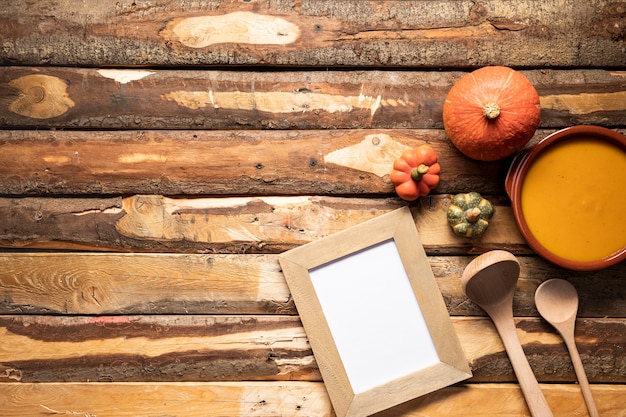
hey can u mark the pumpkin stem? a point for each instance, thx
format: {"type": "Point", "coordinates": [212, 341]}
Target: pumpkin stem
{"type": "Point", "coordinates": [418, 172]}
{"type": "Point", "coordinates": [491, 110]}
{"type": "Point", "coordinates": [473, 215]}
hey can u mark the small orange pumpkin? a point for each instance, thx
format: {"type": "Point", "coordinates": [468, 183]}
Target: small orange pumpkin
{"type": "Point", "coordinates": [415, 172]}
{"type": "Point", "coordinates": [491, 113]}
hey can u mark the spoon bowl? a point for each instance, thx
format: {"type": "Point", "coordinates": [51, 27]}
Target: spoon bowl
{"type": "Point", "coordinates": [490, 280]}
{"type": "Point", "coordinates": [557, 302]}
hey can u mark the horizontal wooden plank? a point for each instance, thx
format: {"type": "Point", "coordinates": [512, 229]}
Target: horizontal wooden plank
{"type": "Point", "coordinates": [103, 283]}
{"type": "Point", "coordinates": [155, 348]}
{"type": "Point", "coordinates": [235, 348]}
{"type": "Point", "coordinates": [118, 284]}
{"type": "Point", "coordinates": [315, 33]}
{"type": "Point", "coordinates": [282, 398]}
{"type": "Point", "coordinates": [346, 162]}
{"type": "Point", "coordinates": [90, 98]}
{"type": "Point", "coordinates": [223, 163]}
{"type": "Point", "coordinates": [150, 223]}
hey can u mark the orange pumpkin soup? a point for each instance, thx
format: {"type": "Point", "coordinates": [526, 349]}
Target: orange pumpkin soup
{"type": "Point", "coordinates": [573, 199]}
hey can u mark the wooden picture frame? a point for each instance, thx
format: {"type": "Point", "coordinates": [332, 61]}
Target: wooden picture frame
{"type": "Point", "coordinates": [374, 315]}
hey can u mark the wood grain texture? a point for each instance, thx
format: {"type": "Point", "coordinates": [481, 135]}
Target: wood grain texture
{"type": "Point", "coordinates": [171, 399]}
{"type": "Point", "coordinates": [103, 283]}
{"type": "Point", "coordinates": [315, 33]}
{"type": "Point", "coordinates": [156, 156]}
{"type": "Point", "coordinates": [90, 98]}
{"type": "Point", "coordinates": [281, 398]}
{"type": "Point", "coordinates": [321, 162]}
{"type": "Point", "coordinates": [151, 223]}
{"type": "Point", "coordinates": [119, 284]}
{"type": "Point", "coordinates": [236, 348]}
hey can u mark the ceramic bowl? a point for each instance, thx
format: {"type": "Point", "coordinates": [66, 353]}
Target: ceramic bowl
{"type": "Point", "coordinates": [515, 180]}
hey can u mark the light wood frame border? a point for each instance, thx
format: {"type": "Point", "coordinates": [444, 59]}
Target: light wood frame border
{"type": "Point", "coordinates": [399, 226]}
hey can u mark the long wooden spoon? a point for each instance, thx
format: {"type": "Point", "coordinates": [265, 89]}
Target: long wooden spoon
{"type": "Point", "coordinates": [557, 302]}
{"type": "Point", "coordinates": [490, 280]}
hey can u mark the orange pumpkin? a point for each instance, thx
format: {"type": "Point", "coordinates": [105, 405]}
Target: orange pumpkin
{"type": "Point", "coordinates": [491, 113]}
{"type": "Point", "coordinates": [415, 172]}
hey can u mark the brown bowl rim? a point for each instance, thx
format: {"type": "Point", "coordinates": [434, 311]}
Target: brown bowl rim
{"type": "Point", "coordinates": [515, 177]}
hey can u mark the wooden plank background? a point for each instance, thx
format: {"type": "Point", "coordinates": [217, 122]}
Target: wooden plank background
{"type": "Point", "coordinates": [146, 98]}
{"type": "Point", "coordinates": [318, 33]}
{"type": "Point", "coordinates": [156, 156]}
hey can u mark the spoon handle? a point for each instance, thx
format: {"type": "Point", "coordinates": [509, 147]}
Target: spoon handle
{"type": "Point", "coordinates": [535, 399]}
{"type": "Point", "coordinates": [582, 376]}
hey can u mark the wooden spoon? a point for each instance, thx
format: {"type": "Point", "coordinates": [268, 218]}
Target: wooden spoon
{"type": "Point", "coordinates": [489, 281]}
{"type": "Point", "coordinates": [557, 302]}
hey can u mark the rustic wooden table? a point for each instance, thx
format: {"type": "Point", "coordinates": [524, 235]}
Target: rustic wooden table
{"type": "Point", "coordinates": [157, 156]}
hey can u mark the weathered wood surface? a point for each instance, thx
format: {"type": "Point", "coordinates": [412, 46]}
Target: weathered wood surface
{"type": "Point", "coordinates": [223, 163]}
{"type": "Point", "coordinates": [135, 284]}
{"type": "Point", "coordinates": [430, 34]}
{"type": "Point", "coordinates": [89, 98]}
{"type": "Point", "coordinates": [144, 223]}
{"type": "Point", "coordinates": [298, 399]}
{"type": "Point", "coordinates": [204, 138]}
{"type": "Point", "coordinates": [237, 348]}
{"type": "Point", "coordinates": [286, 162]}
